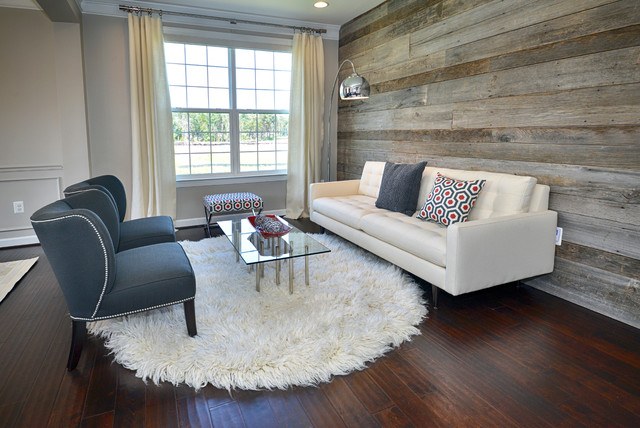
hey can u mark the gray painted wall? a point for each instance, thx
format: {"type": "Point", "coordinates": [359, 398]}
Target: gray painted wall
{"type": "Point", "coordinates": [106, 63]}
{"type": "Point", "coordinates": [43, 143]}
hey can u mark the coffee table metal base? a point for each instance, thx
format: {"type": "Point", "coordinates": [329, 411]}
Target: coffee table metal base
{"type": "Point", "coordinates": [260, 273]}
{"type": "Point", "coordinates": [257, 249]}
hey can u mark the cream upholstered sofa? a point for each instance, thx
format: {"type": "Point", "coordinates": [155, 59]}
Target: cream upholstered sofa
{"type": "Point", "coordinates": [509, 235]}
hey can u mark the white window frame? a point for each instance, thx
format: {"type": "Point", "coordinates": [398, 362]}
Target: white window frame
{"type": "Point", "coordinates": [232, 42]}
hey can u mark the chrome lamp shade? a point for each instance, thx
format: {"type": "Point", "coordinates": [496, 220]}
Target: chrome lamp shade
{"type": "Point", "coordinates": [354, 87]}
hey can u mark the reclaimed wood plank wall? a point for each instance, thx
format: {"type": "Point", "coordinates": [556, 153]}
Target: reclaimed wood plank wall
{"type": "Point", "coordinates": [547, 88]}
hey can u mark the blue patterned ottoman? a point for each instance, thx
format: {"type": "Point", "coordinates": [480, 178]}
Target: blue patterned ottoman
{"type": "Point", "coordinates": [229, 202]}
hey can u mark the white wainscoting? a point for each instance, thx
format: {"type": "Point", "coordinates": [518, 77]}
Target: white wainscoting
{"type": "Point", "coordinates": [35, 186]}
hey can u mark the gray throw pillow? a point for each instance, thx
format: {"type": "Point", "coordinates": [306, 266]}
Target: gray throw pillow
{"type": "Point", "coordinates": [400, 187]}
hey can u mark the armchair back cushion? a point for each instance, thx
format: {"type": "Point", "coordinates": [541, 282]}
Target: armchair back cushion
{"type": "Point", "coordinates": [113, 186]}
{"type": "Point", "coordinates": [96, 200]}
{"type": "Point", "coordinates": [80, 250]}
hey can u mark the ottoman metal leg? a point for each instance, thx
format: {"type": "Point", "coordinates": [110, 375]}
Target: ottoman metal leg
{"type": "Point", "coordinates": [207, 219]}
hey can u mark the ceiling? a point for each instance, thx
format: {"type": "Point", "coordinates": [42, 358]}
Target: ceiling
{"type": "Point", "coordinates": [337, 13]}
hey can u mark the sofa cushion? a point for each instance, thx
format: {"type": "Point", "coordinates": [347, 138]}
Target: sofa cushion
{"type": "Point", "coordinates": [502, 194]}
{"type": "Point", "coordinates": [399, 187]}
{"type": "Point", "coordinates": [450, 200]}
{"type": "Point", "coordinates": [371, 178]}
{"type": "Point", "coordinates": [346, 209]}
{"type": "Point", "coordinates": [423, 239]}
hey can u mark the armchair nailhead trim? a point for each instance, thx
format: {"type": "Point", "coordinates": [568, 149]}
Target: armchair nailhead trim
{"type": "Point", "coordinates": [131, 312]}
{"type": "Point", "coordinates": [104, 252]}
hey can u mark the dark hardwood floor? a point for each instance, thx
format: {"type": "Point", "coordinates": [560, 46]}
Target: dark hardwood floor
{"type": "Point", "coordinates": [507, 356]}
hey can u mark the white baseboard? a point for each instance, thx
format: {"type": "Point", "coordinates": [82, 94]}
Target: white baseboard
{"type": "Point", "coordinates": [21, 240]}
{"type": "Point", "coordinates": [200, 221]}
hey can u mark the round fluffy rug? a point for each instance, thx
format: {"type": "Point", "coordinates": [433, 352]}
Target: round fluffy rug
{"type": "Point", "coordinates": [356, 308]}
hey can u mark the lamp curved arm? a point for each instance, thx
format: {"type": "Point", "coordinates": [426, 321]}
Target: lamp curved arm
{"type": "Point", "coordinates": [333, 92]}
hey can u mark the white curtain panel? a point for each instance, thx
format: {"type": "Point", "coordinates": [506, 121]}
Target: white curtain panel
{"type": "Point", "coordinates": [306, 121]}
{"type": "Point", "coordinates": [154, 178]}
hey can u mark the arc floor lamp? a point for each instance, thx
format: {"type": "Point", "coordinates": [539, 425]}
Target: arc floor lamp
{"type": "Point", "coordinates": [354, 87]}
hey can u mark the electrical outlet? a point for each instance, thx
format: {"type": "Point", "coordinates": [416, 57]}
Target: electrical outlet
{"type": "Point", "coordinates": [18, 207]}
{"type": "Point", "coordinates": [558, 236]}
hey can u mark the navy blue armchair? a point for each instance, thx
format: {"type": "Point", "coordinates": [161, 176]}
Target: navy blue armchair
{"type": "Point", "coordinates": [133, 233]}
{"type": "Point", "coordinates": [79, 235]}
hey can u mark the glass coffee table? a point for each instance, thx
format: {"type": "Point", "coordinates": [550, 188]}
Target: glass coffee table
{"type": "Point", "coordinates": [255, 249]}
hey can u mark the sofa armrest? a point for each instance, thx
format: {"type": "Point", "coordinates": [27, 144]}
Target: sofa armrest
{"type": "Point", "coordinates": [498, 250]}
{"type": "Point", "coordinates": [332, 188]}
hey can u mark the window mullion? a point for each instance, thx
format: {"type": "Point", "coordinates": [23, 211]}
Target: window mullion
{"type": "Point", "coordinates": [234, 121]}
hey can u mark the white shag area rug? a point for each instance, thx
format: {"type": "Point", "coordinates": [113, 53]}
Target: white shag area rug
{"type": "Point", "coordinates": [356, 308]}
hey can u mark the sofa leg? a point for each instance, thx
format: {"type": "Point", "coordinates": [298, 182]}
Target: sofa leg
{"type": "Point", "coordinates": [190, 316]}
{"type": "Point", "coordinates": [78, 333]}
{"type": "Point", "coordinates": [434, 296]}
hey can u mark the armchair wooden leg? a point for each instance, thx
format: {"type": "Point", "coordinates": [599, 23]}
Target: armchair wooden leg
{"type": "Point", "coordinates": [190, 316]}
{"type": "Point", "coordinates": [434, 296]}
{"type": "Point", "coordinates": [78, 333]}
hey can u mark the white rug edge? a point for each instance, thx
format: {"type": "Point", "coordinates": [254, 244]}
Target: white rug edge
{"type": "Point", "coordinates": [16, 272]}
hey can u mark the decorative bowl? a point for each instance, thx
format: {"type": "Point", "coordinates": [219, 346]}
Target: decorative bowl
{"type": "Point", "coordinates": [266, 234]}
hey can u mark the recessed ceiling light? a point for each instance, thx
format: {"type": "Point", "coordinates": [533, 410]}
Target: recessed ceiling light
{"type": "Point", "coordinates": [320, 4]}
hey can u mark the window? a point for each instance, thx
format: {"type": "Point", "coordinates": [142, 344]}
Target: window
{"type": "Point", "coordinates": [230, 109]}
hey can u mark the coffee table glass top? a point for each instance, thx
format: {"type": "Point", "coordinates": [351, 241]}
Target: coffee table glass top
{"type": "Point", "coordinates": [254, 248]}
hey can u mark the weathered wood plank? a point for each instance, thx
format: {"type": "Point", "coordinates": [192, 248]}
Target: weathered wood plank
{"type": "Point", "coordinates": [615, 156]}
{"type": "Point", "coordinates": [601, 96]}
{"type": "Point", "coordinates": [610, 262]}
{"type": "Point", "coordinates": [560, 175]}
{"type": "Point", "coordinates": [416, 74]}
{"type": "Point", "coordinates": [599, 106]}
{"type": "Point", "coordinates": [390, 76]}
{"type": "Point", "coordinates": [434, 117]}
{"type": "Point", "coordinates": [402, 17]}
{"type": "Point", "coordinates": [411, 97]}
{"type": "Point", "coordinates": [603, 234]}
{"type": "Point", "coordinates": [399, 11]}
{"type": "Point", "coordinates": [562, 109]}
{"type": "Point", "coordinates": [490, 20]}
{"type": "Point", "coordinates": [603, 69]}
{"type": "Point", "coordinates": [377, 75]}
{"type": "Point", "coordinates": [447, 28]}
{"type": "Point", "coordinates": [609, 17]}
{"type": "Point", "coordinates": [552, 116]}
{"type": "Point", "coordinates": [628, 214]}
{"type": "Point", "coordinates": [600, 136]}
{"type": "Point", "coordinates": [363, 20]}
{"type": "Point", "coordinates": [396, 51]}
{"type": "Point", "coordinates": [600, 156]}
{"type": "Point", "coordinates": [604, 292]}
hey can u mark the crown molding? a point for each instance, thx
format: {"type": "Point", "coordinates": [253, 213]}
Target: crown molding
{"type": "Point", "coordinates": [97, 7]}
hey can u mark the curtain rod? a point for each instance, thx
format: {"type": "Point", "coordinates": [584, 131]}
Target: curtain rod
{"type": "Point", "coordinates": [136, 9]}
